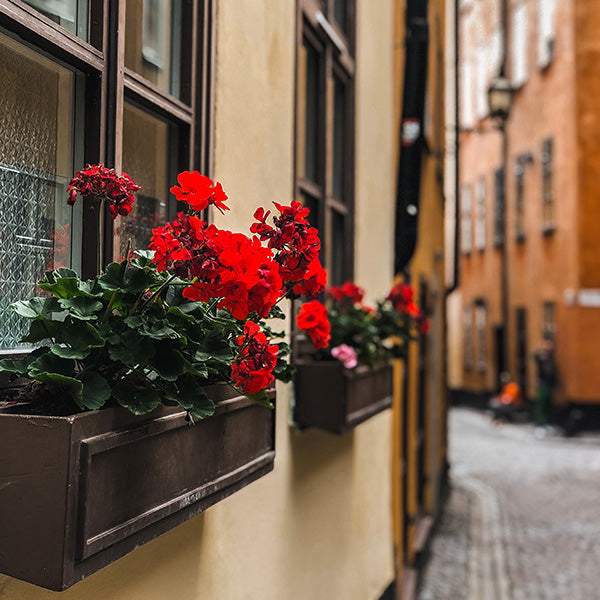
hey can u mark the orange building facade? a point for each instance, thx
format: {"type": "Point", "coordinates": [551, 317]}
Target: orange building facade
{"type": "Point", "coordinates": [531, 205]}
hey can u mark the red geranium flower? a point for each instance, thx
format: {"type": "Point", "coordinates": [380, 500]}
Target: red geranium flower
{"type": "Point", "coordinates": [199, 191]}
{"type": "Point", "coordinates": [106, 185]}
{"type": "Point", "coordinates": [253, 369]}
{"type": "Point", "coordinates": [312, 319]}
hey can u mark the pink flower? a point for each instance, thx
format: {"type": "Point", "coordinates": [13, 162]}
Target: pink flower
{"type": "Point", "coordinates": [346, 354]}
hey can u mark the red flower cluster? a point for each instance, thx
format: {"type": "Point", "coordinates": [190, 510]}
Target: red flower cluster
{"type": "Point", "coordinates": [402, 298]}
{"type": "Point", "coordinates": [253, 369]}
{"type": "Point", "coordinates": [296, 246]}
{"type": "Point", "coordinates": [107, 185]}
{"type": "Point", "coordinates": [225, 265]}
{"type": "Point", "coordinates": [348, 293]}
{"type": "Point", "coordinates": [401, 295]}
{"type": "Point", "coordinates": [312, 319]}
{"type": "Point", "coordinates": [199, 191]}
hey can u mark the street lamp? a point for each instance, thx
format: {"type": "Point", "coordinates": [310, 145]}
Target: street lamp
{"type": "Point", "coordinates": [500, 95]}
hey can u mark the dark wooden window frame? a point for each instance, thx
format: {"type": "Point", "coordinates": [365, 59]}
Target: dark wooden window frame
{"type": "Point", "coordinates": [499, 206]}
{"type": "Point", "coordinates": [107, 84]}
{"type": "Point", "coordinates": [548, 208]}
{"type": "Point", "coordinates": [336, 49]}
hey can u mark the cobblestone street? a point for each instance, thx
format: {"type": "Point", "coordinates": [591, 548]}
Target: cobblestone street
{"type": "Point", "coordinates": [523, 518]}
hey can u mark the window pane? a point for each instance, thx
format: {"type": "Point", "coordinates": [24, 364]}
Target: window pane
{"type": "Point", "coordinates": [149, 158]}
{"type": "Point", "coordinates": [153, 33]}
{"type": "Point", "coordinates": [337, 274]}
{"type": "Point", "coordinates": [340, 13]}
{"type": "Point", "coordinates": [339, 140]}
{"type": "Point", "coordinates": [36, 164]}
{"type": "Point", "coordinates": [310, 118]}
{"type": "Point", "coordinates": [70, 14]}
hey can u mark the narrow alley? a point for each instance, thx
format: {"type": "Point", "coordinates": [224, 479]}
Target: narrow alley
{"type": "Point", "coordinates": [523, 518]}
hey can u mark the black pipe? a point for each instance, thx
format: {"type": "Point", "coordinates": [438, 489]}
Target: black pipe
{"type": "Point", "coordinates": [411, 133]}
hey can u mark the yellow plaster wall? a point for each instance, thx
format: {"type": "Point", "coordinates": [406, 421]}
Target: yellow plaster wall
{"type": "Point", "coordinates": [318, 526]}
{"type": "Point", "coordinates": [375, 190]}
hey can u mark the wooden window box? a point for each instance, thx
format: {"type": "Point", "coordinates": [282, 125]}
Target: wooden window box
{"type": "Point", "coordinates": [79, 492]}
{"type": "Point", "coordinates": [336, 399]}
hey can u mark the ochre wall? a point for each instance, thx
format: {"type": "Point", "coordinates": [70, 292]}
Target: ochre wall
{"type": "Point", "coordinates": [318, 526]}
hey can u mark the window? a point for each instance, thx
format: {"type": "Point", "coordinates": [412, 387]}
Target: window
{"type": "Point", "coordinates": [465, 219]}
{"type": "Point", "coordinates": [325, 128]}
{"type": "Point", "coordinates": [548, 223]}
{"type": "Point", "coordinates": [522, 161]}
{"type": "Point", "coordinates": [499, 207]}
{"type": "Point", "coordinates": [143, 110]}
{"type": "Point", "coordinates": [519, 201]}
{"type": "Point", "coordinates": [480, 216]}
{"type": "Point", "coordinates": [548, 320]}
{"type": "Point", "coordinates": [467, 112]}
{"type": "Point", "coordinates": [481, 328]}
{"type": "Point", "coordinates": [546, 31]}
{"type": "Point", "coordinates": [468, 338]}
{"type": "Point", "coordinates": [519, 44]}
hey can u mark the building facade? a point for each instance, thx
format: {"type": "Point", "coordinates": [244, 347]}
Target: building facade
{"type": "Point", "coordinates": [278, 101]}
{"type": "Point", "coordinates": [528, 206]}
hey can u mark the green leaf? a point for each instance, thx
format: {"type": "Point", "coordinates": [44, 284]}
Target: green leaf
{"type": "Point", "coordinates": [193, 397]}
{"type": "Point", "coordinates": [82, 307]}
{"type": "Point", "coordinates": [96, 390]}
{"type": "Point", "coordinates": [160, 331]}
{"type": "Point", "coordinates": [276, 313]}
{"type": "Point", "coordinates": [134, 321]}
{"type": "Point", "coordinates": [113, 277]}
{"type": "Point", "coordinates": [62, 287]}
{"type": "Point", "coordinates": [69, 384]}
{"type": "Point", "coordinates": [49, 363]}
{"type": "Point", "coordinates": [145, 254]}
{"type": "Point", "coordinates": [13, 367]}
{"type": "Point", "coordinates": [76, 339]}
{"type": "Point", "coordinates": [67, 352]}
{"type": "Point", "coordinates": [131, 348]}
{"type": "Point", "coordinates": [169, 363]}
{"type": "Point", "coordinates": [199, 370]}
{"type": "Point", "coordinates": [123, 391]}
{"type": "Point", "coordinates": [284, 371]}
{"type": "Point", "coordinates": [35, 308]}
{"type": "Point", "coordinates": [137, 280]}
{"type": "Point", "coordinates": [261, 398]}
{"type": "Point", "coordinates": [41, 329]}
{"type": "Point", "coordinates": [80, 334]}
{"type": "Point", "coordinates": [142, 402]}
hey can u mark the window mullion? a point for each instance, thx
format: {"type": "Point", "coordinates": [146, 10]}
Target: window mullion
{"type": "Point", "coordinates": [115, 54]}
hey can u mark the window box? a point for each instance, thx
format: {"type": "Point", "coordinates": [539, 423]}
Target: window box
{"type": "Point", "coordinates": [79, 492]}
{"type": "Point", "coordinates": [336, 399]}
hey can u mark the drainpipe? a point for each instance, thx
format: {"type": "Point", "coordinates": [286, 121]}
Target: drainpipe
{"type": "Point", "coordinates": [411, 133]}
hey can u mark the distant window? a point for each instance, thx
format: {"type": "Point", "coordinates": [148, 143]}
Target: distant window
{"type": "Point", "coordinates": [499, 207]}
{"type": "Point", "coordinates": [548, 221]}
{"type": "Point", "coordinates": [519, 44]}
{"type": "Point", "coordinates": [465, 219]}
{"type": "Point", "coordinates": [482, 63]}
{"type": "Point", "coordinates": [481, 327]}
{"type": "Point", "coordinates": [546, 31]}
{"type": "Point", "coordinates": [467, 113]}
{"type": "Point", "coordinates": [468, 338]}
{"type": "Point", "coordinates": [519, 201]}
{"type": "Point", "coordinates": [548, 320]}
{"type": "Point", "coordinates": [480, 215]}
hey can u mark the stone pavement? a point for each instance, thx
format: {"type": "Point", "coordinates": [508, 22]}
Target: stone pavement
{"type": "Point", "coordinates": [523, 518]}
